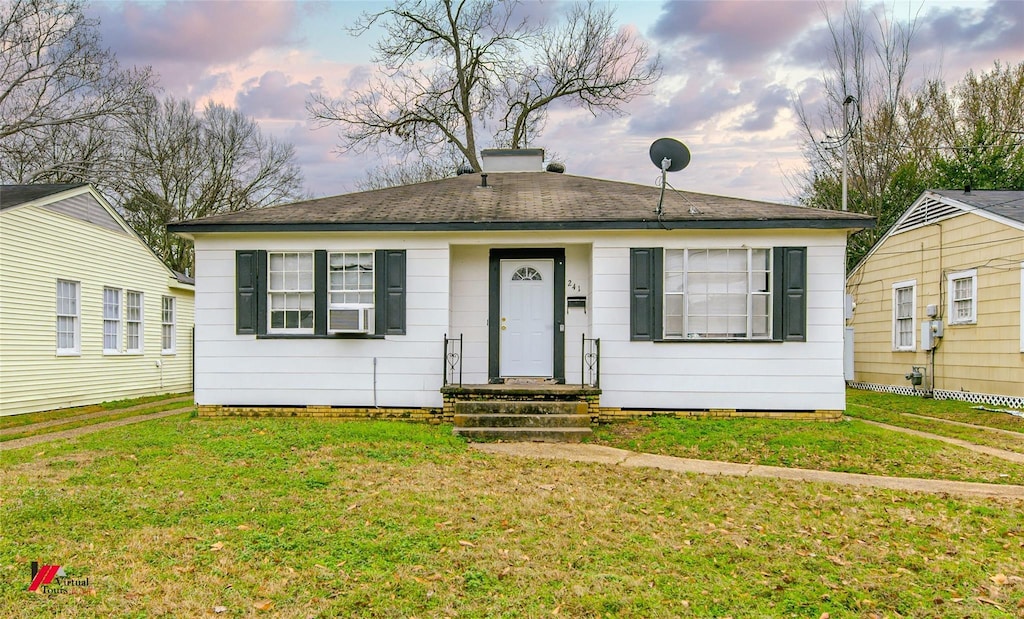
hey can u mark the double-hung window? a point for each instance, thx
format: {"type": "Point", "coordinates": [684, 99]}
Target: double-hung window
{"type": "Point", "coordinates": [717, 293]}
{"type": "Point", "coordinates": [963, 297]}
{"type": "Point", "coordinates": [111, 320]}
{"type": "Point", "coordinates": [133, 321]}
{"type": "Point", "coordinates": [167, 327]}
{"type": "Point", "coordinates": [903, 309]}
{"type": "Point", "coordinates": [67, 317]}
{"type": "Point", "coordinates": [350, 289]}
{"type": "Point", "coordinates": [290, 291]}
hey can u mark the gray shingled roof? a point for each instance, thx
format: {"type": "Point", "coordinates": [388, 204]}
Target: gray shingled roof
{"type": "Point", "coordinates": [13, 195]}
{"type": "Point", "coordinates": [1008, 204]}
{"type": "Point", "coordinates": [527, 201]}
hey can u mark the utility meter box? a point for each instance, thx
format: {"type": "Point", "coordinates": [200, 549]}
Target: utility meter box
{"type": "Point", "coordinates": [931, 330]}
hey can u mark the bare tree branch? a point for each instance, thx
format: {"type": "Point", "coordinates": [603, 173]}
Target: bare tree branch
{"type": "Point", "coordinates": [450, 68]}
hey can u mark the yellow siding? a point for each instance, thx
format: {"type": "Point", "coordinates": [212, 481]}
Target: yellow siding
{"type": "Point", "coordinates": [38, 246]}
{"type": "Point", "coordinates": [984, 357]}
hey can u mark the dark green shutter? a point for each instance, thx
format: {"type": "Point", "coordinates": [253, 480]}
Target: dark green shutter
{"type": "Point", "coordinates": [320, 283]}
{"type": "Point", "coordinates": [645, 305]}
{"type": "Point", "coordinates": [790, 289]}
{"type": "Point", "coordinates": [389, 284]}
{"type": "Point", "coordinates": [246, 300]}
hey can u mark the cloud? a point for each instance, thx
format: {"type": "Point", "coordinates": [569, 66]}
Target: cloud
{"type": "Point", "coordinates": [771, 100]}
{"type": "Point", "coordinates": [183, 40]}
{"type": "Point", "coordinates": [733, 32]}
{"type": "Point", "coordinates": [275, 95]}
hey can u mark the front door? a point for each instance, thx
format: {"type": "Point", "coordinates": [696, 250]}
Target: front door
{"type": "Point", "coordinates": [526, 332]}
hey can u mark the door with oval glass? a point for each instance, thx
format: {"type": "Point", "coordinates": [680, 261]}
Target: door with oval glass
{"type": "Point", "coordinates": [526, 341]}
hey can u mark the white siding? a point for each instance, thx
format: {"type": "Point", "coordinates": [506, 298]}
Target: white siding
{"type": "Point", "coordinates": [243, 370]}
{"type": "Point", "coordinates": [40, 245]}
{"type": "Point", "coordinates": [448, 293]}
{"type": "Point", "coordinates": [737, 375]}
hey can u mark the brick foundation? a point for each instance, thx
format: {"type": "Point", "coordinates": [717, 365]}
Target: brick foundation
{"type": "Point", "coordinates": [611, 415]}
{"type": "Point", "coordinates": [425, 415]}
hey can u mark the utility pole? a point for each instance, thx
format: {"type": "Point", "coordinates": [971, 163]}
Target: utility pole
{"type": "Point", "coordinates": [846, 139]}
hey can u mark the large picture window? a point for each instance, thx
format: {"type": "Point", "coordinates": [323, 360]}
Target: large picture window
{"type": "Point", "coordinates": [111, 320]}
{"type": "Point", "coordinates": [903, 307]}
{"type": "Point", "coordinates": [290, 291]}
{"type": "Point", "coordinates": [133, 321]}
{"type": "Point", "coordinates": [67, 317]}
{"type": "Point", "coordinates": [717, 293]}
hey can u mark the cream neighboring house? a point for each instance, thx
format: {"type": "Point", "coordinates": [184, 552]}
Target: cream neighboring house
{"type": "Point", "coordinates": [88, 313]}
{"type": "Point", "coordinates": [941, 295]}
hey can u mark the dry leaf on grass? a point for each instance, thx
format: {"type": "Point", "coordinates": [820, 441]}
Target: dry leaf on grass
{"type": "Point", "coordinates": [463, 542]}
{"type": "Point", "coordinates": [263, 605]}
{"type": "Point", "coordinates": [244, 527]}
{"type": "Point", "coordinates": [217, 546]}
{"type": "Point", "coordinates": [999, 579]}
{"type": "Point", "coordinates": [220, 609]}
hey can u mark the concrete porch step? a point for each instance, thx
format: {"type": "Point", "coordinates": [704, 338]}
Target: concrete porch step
{"type": "Point", "coordinates": [520, 407]}
{"type": "Point", "coordinates": [498, 420]}
{"type": "Point", "coordinates": [547, 435]}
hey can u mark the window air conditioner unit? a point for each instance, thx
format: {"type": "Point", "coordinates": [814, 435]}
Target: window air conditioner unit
{"type": "Point", "coordinates": [349, 318]}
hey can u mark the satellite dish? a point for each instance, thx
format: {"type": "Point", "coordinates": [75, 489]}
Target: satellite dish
{"type": "Point", "coordinates": [669, 155]}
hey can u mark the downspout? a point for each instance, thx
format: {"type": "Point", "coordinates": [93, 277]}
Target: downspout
{"type": "Point", "coordinates": [375, 383]}
{"type": "Point", "coordinates": [942, 310]}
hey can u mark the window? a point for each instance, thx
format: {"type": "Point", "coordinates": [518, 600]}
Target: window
{"type": "Point", "coordinates": [351, 278]}
{"type": "Point", "coordinates": [167, 330]}
{"type": "Point", "coordinates": [67, 317]}
{"type": "Point", "coordinates": [903, 310]}
{"type": "Point", "coordinates": [717, 293]}
{"type": "Point", "coordinates": [290, 291]}
{"type": "Point", "coordinates": [298, 294]}
{"type": "Point", "coordinates": [963, 297]}
{"type": "Point", "coordinates": [133, 321]}
{"type": "Point", "coordinates": [111, 320]}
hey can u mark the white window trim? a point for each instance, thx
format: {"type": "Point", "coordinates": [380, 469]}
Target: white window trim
{"type": "Point", "coordinates": [173, 325]}
{"type": "Point", "coordinates": [77, 350]}
{"type": "Point", "coordinates": [973, 275]}
{"type": "Point", "coordinates": [750, 295]}
{"type": "Point", "coordinates": [141, 321]}
{"type": "Point", "coordinates": [270, 292]}
{"type": "Point", "coordinates": [120, 321]}
{"type": "Point", "coordinates": [912, 284]}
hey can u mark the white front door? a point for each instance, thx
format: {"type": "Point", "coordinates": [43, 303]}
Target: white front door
{"type": "Point", "coordinates": [526, 340]}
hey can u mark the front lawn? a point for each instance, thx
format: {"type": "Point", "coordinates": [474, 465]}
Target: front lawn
{"type": "Point", "coordinates": [845, 446]}
{"type": "Point", "coordinates": [296, 518]}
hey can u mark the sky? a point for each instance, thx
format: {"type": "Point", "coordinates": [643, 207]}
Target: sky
{"type": "Point", "coordinates": [733, 72]}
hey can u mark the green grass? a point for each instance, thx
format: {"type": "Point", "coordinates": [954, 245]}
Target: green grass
{"type": "Point", "coordinates": [13, 421]}
{"type": "Point", "coordinates": [846, 446]}
{"type": "Point", "coordinates": [324, 518]}
{"type": "Point", "coordinates": [111, 415]}
{"type": "Point", "coordinates": [952, 410]}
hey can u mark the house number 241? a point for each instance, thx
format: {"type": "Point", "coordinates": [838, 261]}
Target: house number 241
{"type": "Point", "coordinates": [571, 285]}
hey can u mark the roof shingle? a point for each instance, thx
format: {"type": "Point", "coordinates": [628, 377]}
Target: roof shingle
{"type": "Point", "coordinates": [529, 200]}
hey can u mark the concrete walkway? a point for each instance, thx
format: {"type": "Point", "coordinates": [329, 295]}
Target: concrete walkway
{"type": "Point", "coordinates": [995, 452]}
{"type": "Point", "coordinates": [42, 425]}
{"type": "Point", "coordinates": [74, 432]}
{"type": "Point", "coordinates": [581, 452]}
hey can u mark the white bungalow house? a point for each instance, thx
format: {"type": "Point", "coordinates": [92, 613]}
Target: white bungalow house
{"type": "Point", "coordinates": [88, 313]}
{"type": "Point", "coordinates": [372, 302]}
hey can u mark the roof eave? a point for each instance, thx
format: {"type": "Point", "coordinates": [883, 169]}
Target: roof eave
{"type": "Point", "coordinates": [502, 226]}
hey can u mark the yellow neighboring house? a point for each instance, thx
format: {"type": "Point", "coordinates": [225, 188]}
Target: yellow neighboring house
{"type": "Point", "coordinates": [88, 313]}
{"type": "Point", "coordinates": [940, 298]}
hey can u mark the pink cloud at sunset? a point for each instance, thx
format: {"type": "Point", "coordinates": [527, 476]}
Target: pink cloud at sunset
{"type": "Point", "coordinates": [733, 72]}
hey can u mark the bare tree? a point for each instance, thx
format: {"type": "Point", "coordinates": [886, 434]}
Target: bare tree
{"type": "Point", "coordinates": [869, 108]}
{"type": "Point", "coordinates": [451, 68]}
{"type": "Point", "coordinates": [184, 166]}
{"type": "Point", "coordinates": [62, 96]}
